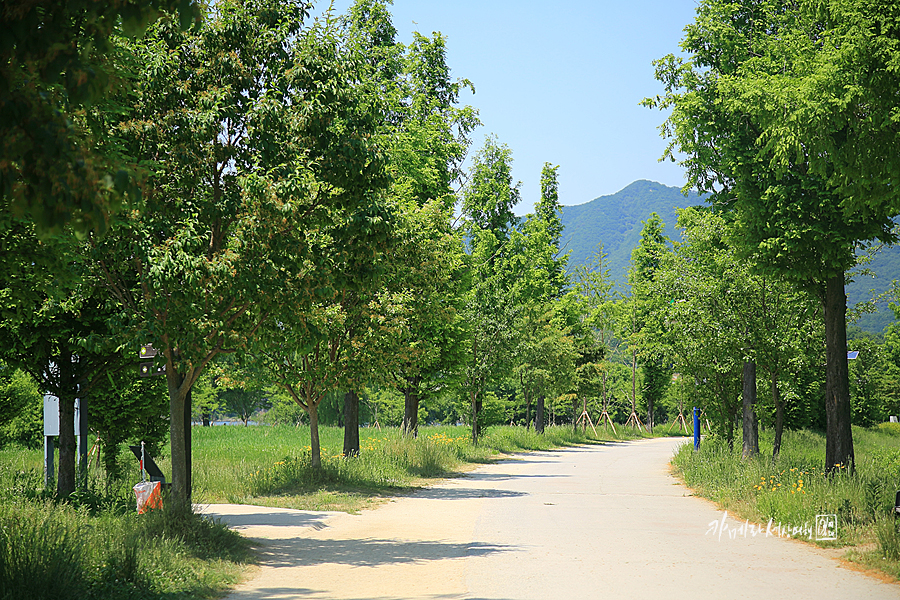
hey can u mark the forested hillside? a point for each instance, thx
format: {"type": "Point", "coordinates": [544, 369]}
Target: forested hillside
{"type": "Point", "coordinates": [615, 221]}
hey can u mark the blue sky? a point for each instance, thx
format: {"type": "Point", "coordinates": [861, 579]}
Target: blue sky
{"type": "Point", "coordinates": [560, 83]}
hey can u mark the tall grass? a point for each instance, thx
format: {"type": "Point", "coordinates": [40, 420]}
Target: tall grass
{"type": "Point", "coordinates": [795, 489]}
{"type": "Point", "coordinates": [94, 545]}
{"type": "Point", "coordinates": [55, 551]}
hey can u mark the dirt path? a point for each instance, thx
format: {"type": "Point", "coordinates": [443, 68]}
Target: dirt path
{"type": "Point", "coordinates": [593, 522]}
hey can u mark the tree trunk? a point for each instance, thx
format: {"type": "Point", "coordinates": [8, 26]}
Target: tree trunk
{"type": "Point", "coordinates": [410, 426]}
{"type": "Point", "coordinates": [650, 412]}
{"type": "Point", "coordinates": [66, 392]}
{"type": "Point", "coordinates": [779, 416]}
{"type": "Point", "coordinates": [65, 483]}
{"type": "Point", "coordinates": [527, 411]}
{"type": "Point", "coordinates": [188, 456]}
{"type": "Point", "coordinates": [204, 418]}
{"type": "Point", "coordinates": [474, 409]}
{"type": "Point", "coordinates": [729, 433]}
{"type": "Point", "coordinates": [633, 381]}
{"type": "Point", "coordinates": [351, 424]}
{"type": "Point", "coordinates": [315, 449]}
{"type": "Point", "coordinates": [838, 434]}
{"type": "Point", "coordinates": [576, 414]}
{"type": "Point", "coordinates": [750, 424]}
{"type": "Point", "coordinates": [178, 434]}
{"type": "Point", "coordinates": [539, 415]}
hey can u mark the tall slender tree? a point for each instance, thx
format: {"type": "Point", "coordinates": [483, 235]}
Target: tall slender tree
{"type": "Point", "coordinates": [646, 330]}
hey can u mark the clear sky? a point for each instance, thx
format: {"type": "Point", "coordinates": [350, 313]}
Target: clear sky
{"type": "Point", "coordinates": [560, 83]}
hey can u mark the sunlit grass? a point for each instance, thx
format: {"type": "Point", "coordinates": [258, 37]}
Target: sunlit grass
{"type": "Point", "coordinates": [270, 465]}
{"type": "Point", "coordinates": [60, 551]}
{"type": "Point", "coordinates": [95, 546]}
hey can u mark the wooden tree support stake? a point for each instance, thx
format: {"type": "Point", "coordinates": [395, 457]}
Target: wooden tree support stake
{"type": "Point", "coordinates": [604, 416]}
{"type": "Point", "coordinates": [635, 422]}
{"type": "Point", "coordinates": [585, 419]}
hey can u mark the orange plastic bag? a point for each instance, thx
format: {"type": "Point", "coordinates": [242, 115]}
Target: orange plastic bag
{"type": "Point", "coordinates": [148, 496]}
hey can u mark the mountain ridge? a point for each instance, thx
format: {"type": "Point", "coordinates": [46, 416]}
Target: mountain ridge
{"type": "Point", "coordinates": [616, 220]}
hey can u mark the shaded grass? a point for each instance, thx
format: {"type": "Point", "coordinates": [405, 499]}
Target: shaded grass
{"type": "Point", "coordinates": [795, 489]}
{"type": "Point", "coordinates": [51, 550]}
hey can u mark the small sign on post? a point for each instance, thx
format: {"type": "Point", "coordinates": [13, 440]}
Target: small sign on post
{"type": "Point", "coordinates": [51, 430]}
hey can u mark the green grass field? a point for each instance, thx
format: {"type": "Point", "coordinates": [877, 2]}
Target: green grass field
{"type": "Point", "coordinates": [794, 490]}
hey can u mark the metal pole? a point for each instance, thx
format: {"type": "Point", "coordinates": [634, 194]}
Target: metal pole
{"type": "Point", "coordinates": [81, 432]}
{"type": "Point", "coordinates": [696, 428]}
{"type": "Point", "coordinates": [49, 452]}
{"type": "Point", "coordinates": [143, 458]}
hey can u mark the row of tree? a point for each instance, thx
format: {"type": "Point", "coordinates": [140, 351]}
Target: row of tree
{"type": "Point", "coordinates": [289, 193]}
{"type": "Point", "coordinates": [785, 113]}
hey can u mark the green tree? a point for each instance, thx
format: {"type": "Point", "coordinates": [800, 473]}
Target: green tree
{"type": "Point", "coordinates": [268, 160]}
{"type": "Point", "coordinates": [598, 297]}
{"type": "Point", "coordinates": [646, 310]}
{"type": "Point", "coordinates": [123, 407]}
{"type": "Point", "coordinates": [867, 396]}
{"type": "Point", "coordinates": [490, 194]}
{"type": "Point", "coordinates": [750, 73]}
{"type": "Point", "coordinates": [548, 214]}
{"type": "Point", "coordinates": [54, 327]}
{"type": "Point", "coordinates": [425, 134]}
{"type": "Point", "coordinates": [706, 337]}
{"type": "Point", "coordinates": [543, 355]}
{"type": "Point", "coordinates": [58, 64]}
{"type": "Point", "coordinates": [489, 314]}
{"type": "Point", "coordinates": [21, 409]}
{"type": "Point", "coordinates": [490, 306]}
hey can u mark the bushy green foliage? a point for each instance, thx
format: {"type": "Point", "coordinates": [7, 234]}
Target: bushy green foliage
{"type": "Point", "coordinates": [21, 409]}
{"type": "Point", "coordinates": [124, 409]}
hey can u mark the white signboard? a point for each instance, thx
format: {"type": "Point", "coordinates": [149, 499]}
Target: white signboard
{"type": "Point", "coordinates": [51, 415]}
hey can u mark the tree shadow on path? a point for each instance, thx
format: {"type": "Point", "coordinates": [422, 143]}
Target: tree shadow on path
{"type": "Point", "coordinates": [367, 552]}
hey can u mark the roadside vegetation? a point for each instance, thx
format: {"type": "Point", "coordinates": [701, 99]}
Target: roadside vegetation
{"type": "Point", "coordinates": [309, 236]}
{"type": "Point", "coordinates": [791, 491]}
{"type": "Point", "coordinates": [96, 547]}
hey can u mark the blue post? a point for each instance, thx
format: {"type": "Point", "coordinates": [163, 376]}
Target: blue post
{"type": "Point", "coordinates": [696, 428]}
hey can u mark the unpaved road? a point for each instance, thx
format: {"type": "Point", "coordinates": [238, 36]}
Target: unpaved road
{"type": "Point", "coordinates": [590, 522]}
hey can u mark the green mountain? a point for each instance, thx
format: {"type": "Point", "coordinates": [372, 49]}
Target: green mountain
{"type": "Point", "coordinates": [616, 221]}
